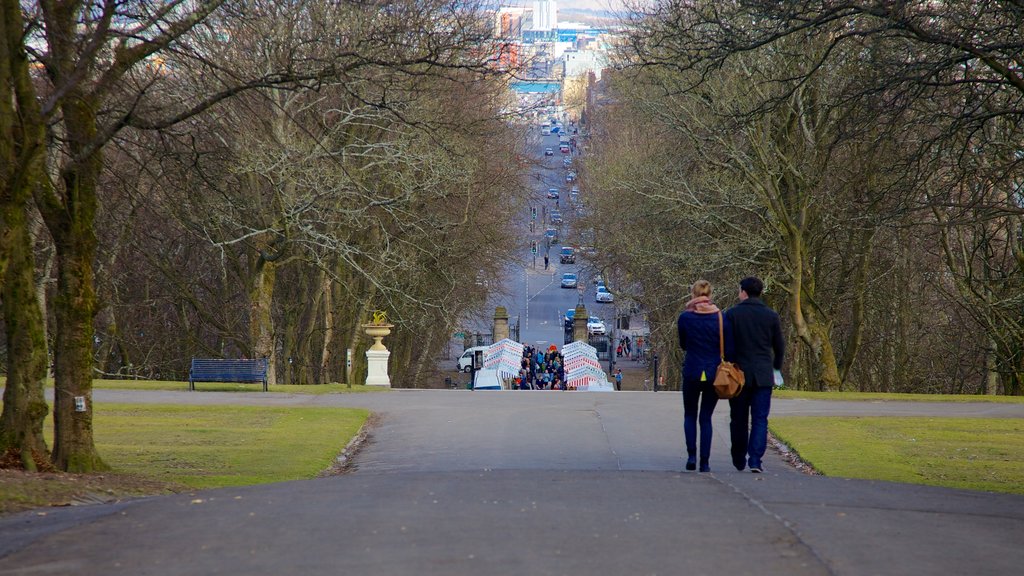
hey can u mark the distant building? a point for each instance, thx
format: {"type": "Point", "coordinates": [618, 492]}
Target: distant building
{"type": "Point", "coordinates": [583, 62]}
{"type": "Point", "coordinates": [509, 22]}
{"type": "Point", "coordinates": [545, 15]}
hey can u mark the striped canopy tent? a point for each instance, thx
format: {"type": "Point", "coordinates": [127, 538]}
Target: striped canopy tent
{"type": "Point", "coordinates": [580, 361]}
{"type": "Point", "coordinates": [582, 370]}
{"type": "Point", "coordinates": [505, 356]}
{"type": "Point", "coordinates": [578, 348]}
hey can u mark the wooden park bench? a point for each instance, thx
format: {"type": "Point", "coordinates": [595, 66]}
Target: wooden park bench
{"type": "Point", "coordinates": [227, 370]}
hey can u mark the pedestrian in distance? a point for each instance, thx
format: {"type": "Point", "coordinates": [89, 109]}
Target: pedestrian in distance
{"type": "Point", "coordinates": [545, 261]}
{"type": "Point", "coordinates": [702, 332]}
{"type": "Point", "coordinates": [759, 350]}
{"type": "Point", "coordinates": [618, 379]}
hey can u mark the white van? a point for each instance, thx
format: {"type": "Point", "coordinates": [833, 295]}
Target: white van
{"type": "Point", "coordinates": [466, 360]}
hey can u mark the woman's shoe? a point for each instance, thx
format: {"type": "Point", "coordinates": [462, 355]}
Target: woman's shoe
{"type": "Point", "coordinates": [691, 463]}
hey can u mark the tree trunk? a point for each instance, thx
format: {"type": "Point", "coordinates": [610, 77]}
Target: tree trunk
{"type": "Point", "coordinates": [859, 290]}
{"type": "Point", "coordinates": [75, 305]}
{"type": "Point", "coordinates": [809, 327]}
{"type": "Point", "coordinates": [991, 368]}
{"type": "Point", "coordinates": [25, 408]}
{"type": "Point", "coordinates": [261, 319]}
{"type": "Point", "coordinates": [326, 286]}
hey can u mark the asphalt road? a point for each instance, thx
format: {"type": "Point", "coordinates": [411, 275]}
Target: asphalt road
{"type": "Point", "coordinates": [458, 482]}
{"type": "Point", "coordinates": [530, 293]}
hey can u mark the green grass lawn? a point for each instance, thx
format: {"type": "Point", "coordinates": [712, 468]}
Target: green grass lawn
{"type": "Point", "coordinates": [157, 449]}
{"type": "Point", "coordinates": [884, 396]}
{"type": "Point", "coordinates": [212, 446]}
{"type": "Point", "coordinates": [971, 453]}
{"type": "Point", "coordinates": [231, 387]}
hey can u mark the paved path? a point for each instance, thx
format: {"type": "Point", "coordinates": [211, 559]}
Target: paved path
{"type": "Point", "coordinates": [534, 483]}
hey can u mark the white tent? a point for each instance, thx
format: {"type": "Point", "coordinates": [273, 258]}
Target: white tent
{"type": "Point", "coordinates": [505, 357]}
{"type": "Point", "coordinates": [487, 380]}
{"type": "Point", "coordinates": [582, 370]}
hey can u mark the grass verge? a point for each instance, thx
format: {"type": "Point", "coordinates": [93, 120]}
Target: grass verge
{"type": "Point", "coordinates": [177, 385]}
{"type": "Point", "coordinates": [173, 385]}
{"type": "Point", "coordinates": [970, 453]}
{"type": "Point", "coordinates": [168, 448]}
{"type": "Point", "coordinates": [893, 397]}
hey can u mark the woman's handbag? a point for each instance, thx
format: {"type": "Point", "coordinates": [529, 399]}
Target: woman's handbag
{"type": "Point", "coordinates": [729, 379]}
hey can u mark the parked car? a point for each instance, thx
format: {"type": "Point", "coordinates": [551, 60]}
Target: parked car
{"type": "Point", "coordinates": [549, 152]}
{"type": "Point", "coordinates": [564, 148]}
{"type": "Point", "coordinates": [556, 217]}
{"type": "Point", "coordinates": [570, 315]}
{"type": "Point", "coordinates": [569, 280]}
{"type": "Point", "coordinates": [567, 255]}
{"type": "Point", "coordinates": [553, 193]}
{"type": "Point", "coordinates": [603, 295]}
{"type": "Point", "coordinates": [466, 360]}
{"type": "Point", "coordinates": [595, 325]}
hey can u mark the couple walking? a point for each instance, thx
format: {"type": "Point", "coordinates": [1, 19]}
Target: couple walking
{"type": "Point", "coordinates": [751, 333]}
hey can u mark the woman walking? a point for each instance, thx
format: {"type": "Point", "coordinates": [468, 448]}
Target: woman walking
{"type": "Point", "coordinates": [700, 335]}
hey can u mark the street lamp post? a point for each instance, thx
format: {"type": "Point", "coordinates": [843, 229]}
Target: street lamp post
{"type": "Point", "coordinates": [655, 372]}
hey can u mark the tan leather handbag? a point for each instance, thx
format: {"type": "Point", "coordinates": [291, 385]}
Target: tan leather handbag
{"type": "Point", "coordinates": [729, 379]}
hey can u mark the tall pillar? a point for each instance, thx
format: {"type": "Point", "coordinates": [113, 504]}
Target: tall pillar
{"type": "Point", "coordinates": [579, 324]}
{"type": "Point", "coordinates": [500, 323]}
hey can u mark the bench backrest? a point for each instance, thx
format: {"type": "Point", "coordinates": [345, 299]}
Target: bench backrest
{"type": "Point", "coordinates": [228, 370]}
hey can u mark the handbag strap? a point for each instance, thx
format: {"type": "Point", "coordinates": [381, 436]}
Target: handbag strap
{"type": "Point", "coordinates": [721, 336]}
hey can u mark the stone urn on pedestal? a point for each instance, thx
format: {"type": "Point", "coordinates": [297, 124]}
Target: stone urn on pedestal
{"type": "Point", "coordinates": [377, 356]}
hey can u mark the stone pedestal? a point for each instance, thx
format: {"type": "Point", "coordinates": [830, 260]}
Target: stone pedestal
{"type": "Point", "coordinates": [377, 356]}
{"type": "Point", "coordinates": [377, 368]}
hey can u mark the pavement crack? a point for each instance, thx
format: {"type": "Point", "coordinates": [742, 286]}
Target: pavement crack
{"type": "Point", "coordinates": [789, 526]}
{"type": "Point", "coordinates": [607, 437]}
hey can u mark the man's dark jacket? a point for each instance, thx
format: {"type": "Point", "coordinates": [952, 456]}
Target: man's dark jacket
{"type": "Point", "coordinates": [757, 341]}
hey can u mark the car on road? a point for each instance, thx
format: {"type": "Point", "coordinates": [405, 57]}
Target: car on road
{"type": "Point", "coordinates": [603, 295]}
{"type": "Point", "coordinates": [551, 234]}
{"type": "Point", "coordinates": [553, 193]}
{"type": "Point", "coordinates": [549, 152]}
{"type": "Point", "coordinates": [466, 360]}
{"type": "Point", "coordinates": [569, 280]}
{"type": "Point", "coordinates": [570, 176]}
{"type": "Point", "coordinates": [595, 325]}
{"type": "Point", "coordinates": [564, 148]}
{"type": "Point", "coordinates": [556, 217]}
{"type": "Point", "coordinates": [570, 315]}
{"type": "Point", "coordinates": [567, 255]}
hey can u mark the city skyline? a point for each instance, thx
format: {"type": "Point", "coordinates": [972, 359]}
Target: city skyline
{"type": "Point", "coordinates": [595, 5]}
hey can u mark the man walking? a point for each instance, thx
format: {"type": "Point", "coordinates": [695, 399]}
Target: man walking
{"type": "Point", "coordinates": [759, 349]}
